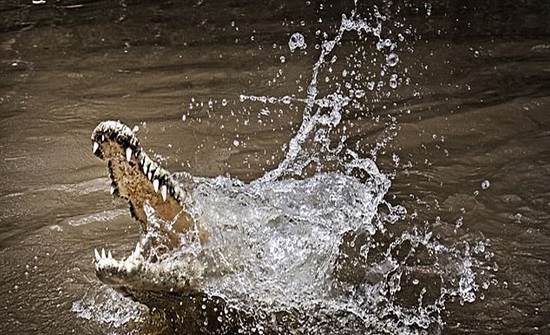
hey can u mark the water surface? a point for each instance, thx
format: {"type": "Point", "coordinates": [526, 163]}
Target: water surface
{"type": "Point", "coordinates": [458, 122]}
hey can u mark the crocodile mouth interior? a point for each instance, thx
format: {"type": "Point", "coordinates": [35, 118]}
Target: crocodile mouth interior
{"type": "Point", "coordinates": [148, 188]}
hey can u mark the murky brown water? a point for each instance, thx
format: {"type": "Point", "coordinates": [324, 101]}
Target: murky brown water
{"type": "Point", "coordinates": [473, 132]}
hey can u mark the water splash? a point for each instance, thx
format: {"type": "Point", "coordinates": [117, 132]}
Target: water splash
{"type": "Point", "coordinates": [328, 245]}
{"type": "Point", "coordinates": [108, 307]}
{"type": "Point", "coordinates": [321, 115]}
{"type": "Point", "coordinates": [332, 248]}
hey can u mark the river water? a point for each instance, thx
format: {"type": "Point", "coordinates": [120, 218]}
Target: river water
{"type": "Point", "coordinates": [384, 166]}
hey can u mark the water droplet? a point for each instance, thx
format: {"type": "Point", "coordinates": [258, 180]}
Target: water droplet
{"type": "Point", "coordinates": [395, 159]}
{"type": "Point", "coordinates": [485, 184]}
{"type": "Point", "coordinates": [297, 40]}
{"type": "Point", "coordinates": [393, 81]}
{"type": "Point", "coordinates": [459, 222]}
{"type": "Point", "coordinates": [392, 59]}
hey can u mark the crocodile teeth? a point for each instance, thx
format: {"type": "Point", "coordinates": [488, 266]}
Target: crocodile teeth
{"type": "Point", "coordinates": [156, 185]}
{"type": "Point", "coordinates": [103, 253]}
{"type": "Point", "coordinates": [157, 172]}
{"type": "Point", "coordinates": [149, 175]}
{"type": "Point", "coordinates": [95, 147]}
{"type": "Point", "coordinates": [147, 165]}
{"type": "Point", "coordinates": [112, 190]}
{"type": "Point", "coordinates": [96, 254]}
{"type": "Point", "coordinates": [128, 154]}
{"type": "Point", "coordinates": [163, 192]}
{"type": "Point", "coordinates": [110, 255]}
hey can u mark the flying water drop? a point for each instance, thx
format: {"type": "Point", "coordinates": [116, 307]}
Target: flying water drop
{"type": "Point", "coordinates": [393, 81]}
{"type": "Point", "coordinates": [392, 59]}
{"type": "Point", "coordinates": [296, 41]}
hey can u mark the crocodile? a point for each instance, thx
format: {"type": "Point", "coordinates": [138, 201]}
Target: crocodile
{"type": "Point", "coordinates": [152, 193]}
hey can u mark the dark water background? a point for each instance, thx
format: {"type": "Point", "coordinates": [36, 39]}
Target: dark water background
{"type": "Point", "coordinates": [476, 109]}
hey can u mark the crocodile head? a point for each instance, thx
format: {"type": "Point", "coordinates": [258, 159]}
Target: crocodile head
{"type": "Point", "coordinates": [160, 203]}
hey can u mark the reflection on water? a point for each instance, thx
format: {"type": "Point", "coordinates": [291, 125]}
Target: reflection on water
{"type": "Point", "coordinates": [385, 171]}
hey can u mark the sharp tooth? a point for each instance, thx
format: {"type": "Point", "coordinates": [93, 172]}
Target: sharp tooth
{"type": "Point", "coordinates": [95, 147]}
{"type": "Point", "coordinates": [157, 173]}
{"type": "Point", "coordinates": [128, 154]}
{"type": "Point", "coordinates": [146, 165]}
{"type": "Point", "coordinates": [137, 250]}
{"type": "Point", "coordinates": [112, 190]}
{"type": "Point", "coordinates": [156, 185]}
{"type": "Point", "coordinates": [102, 138]}
{"type": "Point", "coordinates": [110, 255]}
{"type": "Point", "coordinates": [163, 192]}
{"type": "Point", "coordinates": [149, 175]}
{"type": "Point", "coordinates": [103, 253]}
{"type": "Point", "coordinates": [96, 254]}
